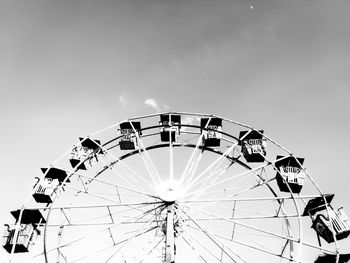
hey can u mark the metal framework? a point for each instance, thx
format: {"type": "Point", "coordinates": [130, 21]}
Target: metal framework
{"type": "Point", "coordinates": [179, 199]}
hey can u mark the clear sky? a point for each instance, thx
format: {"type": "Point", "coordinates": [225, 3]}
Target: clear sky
{"type": "Point", "coordinates": [71, 67]}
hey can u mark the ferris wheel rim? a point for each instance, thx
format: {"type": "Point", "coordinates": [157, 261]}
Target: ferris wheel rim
{"type": "Point", "coordinates": [193, 146]}
{"type": "Point", "coordinates": [167, 145]}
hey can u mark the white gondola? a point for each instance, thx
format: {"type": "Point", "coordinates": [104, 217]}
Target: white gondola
{"type": "Point", "coordinates": [26, 237]}
{"type": "Point", "coordinates": [329, 223]}
{"type": "Point", "coordinates": [170, 125]}
{"type": "Point", "coordinates": [128, 130]}
{"type": "Point", "coordinates": [211, 128]}
{"type": "Point", "coordinates": [336, 219]}
{"type": "Point", "coordinates": [47, 189]}
{"type": "Point", "coordinates": [21, 237]}
{"type": "Point", "coordinates": [86, 154]}
{"type": "Point", "coordinates": [253, 145]}
{"type": "Point", "coordinates": [290, 175]}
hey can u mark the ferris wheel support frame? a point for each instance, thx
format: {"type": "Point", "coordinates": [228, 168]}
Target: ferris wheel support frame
{"type": "Point", "coordinates": [170, 235]}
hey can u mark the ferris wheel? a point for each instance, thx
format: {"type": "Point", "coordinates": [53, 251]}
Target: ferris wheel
{"type": "Point", "coordinates": [177, 187]}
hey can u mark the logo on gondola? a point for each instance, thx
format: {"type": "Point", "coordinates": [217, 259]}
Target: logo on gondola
{"type": "Point", "coordinates": [290, 169]}
{"type": "Point", "coordinates": [254, 141]}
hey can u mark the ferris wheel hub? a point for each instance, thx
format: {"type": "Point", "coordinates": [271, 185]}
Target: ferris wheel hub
{"type": "Point", "coordinates": [170, 190]}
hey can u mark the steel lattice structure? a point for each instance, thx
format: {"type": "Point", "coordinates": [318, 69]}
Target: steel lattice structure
{"type": "Point", "coordinates": [178, 187]}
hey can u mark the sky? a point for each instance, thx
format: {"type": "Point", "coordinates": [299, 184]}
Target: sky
{"type": "Point", "coordinates": [72, 67]}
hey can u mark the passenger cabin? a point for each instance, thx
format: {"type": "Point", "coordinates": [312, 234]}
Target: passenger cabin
{"type": "Point", "coordinates": [327, 258]}
{"type": "Point", "coordinates": [20, 237]}
{"type": "Point", "coordinates": [253, 145]}
{"type": "Point", "coordinates": [47, 188]}
{"type": "Point", "coordinates": [290, 173]}
{"type": "Point", "coordinates": [325, 219]}
{"type": "Point", "coordinates": [211, 128]}
{"type": "Point", "coordinates": [85, 155]}
{"type": "Point", "coordinates": [128, 130]}
{"type": "Point", "coordinates": [171, 125]}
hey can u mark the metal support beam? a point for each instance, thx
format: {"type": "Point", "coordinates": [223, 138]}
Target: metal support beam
{"type": "Point", "coordinates": [170, 236]}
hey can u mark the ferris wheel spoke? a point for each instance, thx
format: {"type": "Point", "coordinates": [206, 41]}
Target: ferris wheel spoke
{"type": "Point", "coordinates": [242, 190]}
{"type": "Point", "coordinates": [145, 229]}
{"type": "Point", "coordinates": [196, 156]}
{"type": "Point", "coordinates": [134, 220]}
{"type": "Point", "coordinates": [258, 185]}
{"type": "Point", "coordinates": [129, 207]}
{"type": "Point", "coordinates": [92, 254]}
{"type": "Point", "coordinates": [150, 167]}
{"type": "Point", "coordinates": [253, 244]}
{"type": "Point", "coordinates": [266, 232]}
{"type": "Point", "coordinates": [62, 255]}
{"type": "Point", "coordinates": [116, 185]}
{"type": "Point", "coordinates": [255, 247]}
{"type": "Point", "coordinates": [279, 199]}
{"type": "Point", "coordinates": [109, 247]}
{"type": "Point", "coordinates": [192, 163]}
{"type": "Point", "coordinates": [205, 249]}
{"type": "Point", "coordinates": [245, 189]}
{"type": "Point", "coordinates": [243, 225]}
{"type": "Point", "coordinates": [95, 195]}
{"type": "Point", "coordinates": [254, 215]}
{"type": "Point", "coordinates": [208, 235]}
{"type": "Point", "coordinates": [260, 181]}
{"type": "Point", "coordinates": [225, 180]}
{"type": "Point", "coordinates": [129, 170]}
{"type": "Point", "coordinates": [188, 241]}
{"type": "Point", "coordinates": [125, 168]}
{"type": "Point", "coordinates": [99, 196]}
{"type": "Point", "coordinates": [209, 180]}
{"type": "Point", "coordinates": [247, 173]}
{"type": "Point", "coordinates": [248, 217]}
{"type": "Point", "coordinates": [211, 238]}
{"type": "Point", "coordinates": [105, 248]}
{"type": "Point", "coordinates": [109, 215]}
{"type": "Point", "coordinates": [141, 204]}
{"type": "Point", "coordinates": [148, 249]}
{"type": "Point", "coordinates": [213, 164]}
